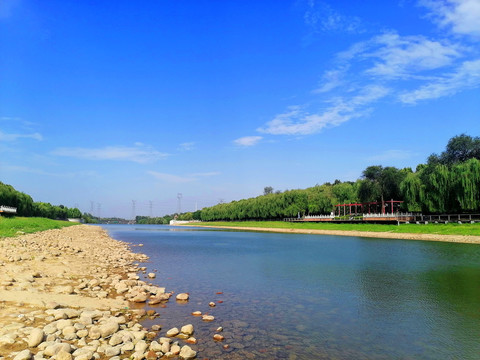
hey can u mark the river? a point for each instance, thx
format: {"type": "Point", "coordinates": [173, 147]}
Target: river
{"type": "Point", "coordinates": [294, 296]}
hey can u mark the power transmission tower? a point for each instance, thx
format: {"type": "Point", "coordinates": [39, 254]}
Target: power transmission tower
{"type": "Point", "coordinates": [179, 197]}
{"type": "Point", "coordinates": [133, 210]}
{"type": "Point", "coordinates": [99, 210]}
{"type": "Point", "coordinates": [150, 205]}
{"type": "Point", "coordinates": [91, 207]}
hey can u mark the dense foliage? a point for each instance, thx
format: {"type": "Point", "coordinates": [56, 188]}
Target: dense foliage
{"type": "Point", "coordinates": [448, 183]}
{"type": "Point", "coordinates": [28, 208]}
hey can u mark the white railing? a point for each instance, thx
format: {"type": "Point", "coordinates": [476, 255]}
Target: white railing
{"type": "Point", "coordinates": [388, 215]}
{"type": "Point", "coordinates": [8, 209]}
{"type": "Point", "coordinates": [319, 217]}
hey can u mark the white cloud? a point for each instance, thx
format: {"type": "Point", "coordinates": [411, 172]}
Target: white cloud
{"type": "Point", "coordinates": [297, 121]}
{"type": "Point", "coordinates": [139, 154]}
{"type": "Point", "coordinates": [462, 16]}
{"type": "Point", "coordinates": [14, 137]}
{"type": "Point", "coordinates": [390, 56]}
{"type": "Point", "coordinates": [170, 178]}
{"type": "Point", "coordinates": [248, 140]}
{"type": "Point", "coordinates": [466, 76]}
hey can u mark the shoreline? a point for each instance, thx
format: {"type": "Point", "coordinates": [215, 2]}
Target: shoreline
{"type": "Point", "coordinates": [463, 239]}
{"type": "Point", "coordinates": [75, 294]}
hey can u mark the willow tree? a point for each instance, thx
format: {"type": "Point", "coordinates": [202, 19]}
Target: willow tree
{"type": "Point", "coordinates": [438, 194]}
{"type": "Point", "coordinates": [467, 184]}
{"type": "Point", "coordinates": [412, 192]}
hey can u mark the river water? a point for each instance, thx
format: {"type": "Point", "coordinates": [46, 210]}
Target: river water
{"type": "Point", "coordinates": [292, 296]}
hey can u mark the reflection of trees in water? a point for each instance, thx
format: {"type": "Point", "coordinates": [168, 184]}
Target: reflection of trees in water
{"type": "Point", "coordinates": [427, 293]}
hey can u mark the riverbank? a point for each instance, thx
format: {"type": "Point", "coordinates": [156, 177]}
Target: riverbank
{"type": "Point", "coordinates": [70, 293]}
{"type": "Point", "coordinates": [469, 239]}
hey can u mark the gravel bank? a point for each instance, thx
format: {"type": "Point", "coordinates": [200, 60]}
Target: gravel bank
{"type": "Point", "coordinates": [67, 294]}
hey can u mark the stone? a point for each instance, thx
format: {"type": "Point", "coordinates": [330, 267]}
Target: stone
{"type": "Point", "coordinates": [61, 324]}
{"type": "Point", "coordinates": [191, 340]}
{"type": "Point", "coordinates": [112, 351]}
{"type": "Point", "coordinates": [35, 337]}
{"type": "Point", "coordinates": [63, 355]}
{"type": "Point", "coordinates": [197, 313]}
{"type": "Point", "coordinates": [173, 332]}
{"type": "Point", "coordinates": [141, 346]}
{"type": "Point", "coordinates": [69, 333]}
{"type": "Point", "coordinates": [128, 346]}
{"type": "Point", "coordinates": [139, 298]}
{"type": "Point", "coordinates": [156, 327]}
{"type": "Point", "coordinates": [175, 349]}
{"type": "Point", "coordinates": [211, 304]}
{"type": "Point", "coordinates": [94, 333]}
{"type": "Point", "coordinates": [182, 297]}
{"type": "Point", "coordinates": [208, 318]}
{"type": "Point", "coordinates": [187, 329]}
{"type": "Point", "coordinates": [108, 329]}
{"type": "Point", "coordinates": [23, 355]}
{"type": "Point", "coordinates": [152, 275]}
{"type": "Point", "coordinates": [218, 337]}
{"type": "Point", "coordinates": [187, 353]}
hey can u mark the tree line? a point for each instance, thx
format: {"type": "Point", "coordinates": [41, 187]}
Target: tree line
{"type": "Point", "coordinates": [29, 208]}
{"type": "Point", "coordinates": [448, 183]}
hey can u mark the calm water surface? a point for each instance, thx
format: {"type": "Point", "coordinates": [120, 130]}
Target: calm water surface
{"type": "Point", "coordinates": [290, 296]}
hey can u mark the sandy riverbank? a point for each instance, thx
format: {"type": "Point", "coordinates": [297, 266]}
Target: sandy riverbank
{"type": "Point", "coordinates": [66, 294]}
{"type": "Point", "coordinates": [383, 235]}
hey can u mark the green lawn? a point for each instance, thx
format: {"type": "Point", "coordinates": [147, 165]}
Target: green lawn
{"type": "Point", "coordinates": [444, 229]}
{"type": "Point", "coordinates": [14, 226]}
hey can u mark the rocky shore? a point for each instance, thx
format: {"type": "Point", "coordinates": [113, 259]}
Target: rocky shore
{"type": "Point", "coordinates": [69, 294]}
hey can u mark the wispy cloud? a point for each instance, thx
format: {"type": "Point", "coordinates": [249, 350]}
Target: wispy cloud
{"type": "Point", "coordinates": [171, 178]}
{"type": "Point", "coordinates": [466, 76]}
{"type": "Point", "coordinates": [139, 153]}
{"type": "Point", "coordinates": [14, 137]}
{"type": "Point", "coordinates": [248, 140]}
{"type": "Point", "coordinates": [297, 121]}
{"type": "Point", "coordinates": [461, 16]}
{"type": "Point", "coordinates": [321, 17]}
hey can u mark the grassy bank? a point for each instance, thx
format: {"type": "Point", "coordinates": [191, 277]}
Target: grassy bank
{"type": "Point", "coordinates": [14, 226]}
{"type": "Point", "coordinates": [439, 229]}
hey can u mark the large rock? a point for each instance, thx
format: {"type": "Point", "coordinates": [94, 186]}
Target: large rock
{"type": "Point", "coordinates": [35, 337]}
{"type": "Point", "coordinates": [173, 332]}
{"type": "Point", "coordinates": [63, 355]}
{"type": "Point", "coordinates": [182, 297]}
{"type": "Point", "coordinates": [108, 329]}
{"type": "Point", "coordinates": [187, 329]}
{"type": "Point", "coordinates": [23, 355]}
{"type": "Point", "coordinates": [187, 353]}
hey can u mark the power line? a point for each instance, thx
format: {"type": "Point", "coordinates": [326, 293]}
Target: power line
{"type": "Point", "coordinates": [179, 197]}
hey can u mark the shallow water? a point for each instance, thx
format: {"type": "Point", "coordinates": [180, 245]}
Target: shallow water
{"type": "Point", "coordinates": [293, 296]}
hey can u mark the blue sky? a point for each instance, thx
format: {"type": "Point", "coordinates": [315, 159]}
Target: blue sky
{"type": "Point", "coordinates": [106, 102]}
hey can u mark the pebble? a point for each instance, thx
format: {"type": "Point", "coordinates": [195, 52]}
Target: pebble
{"type": "Point", "coordinates": [182, 297]}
